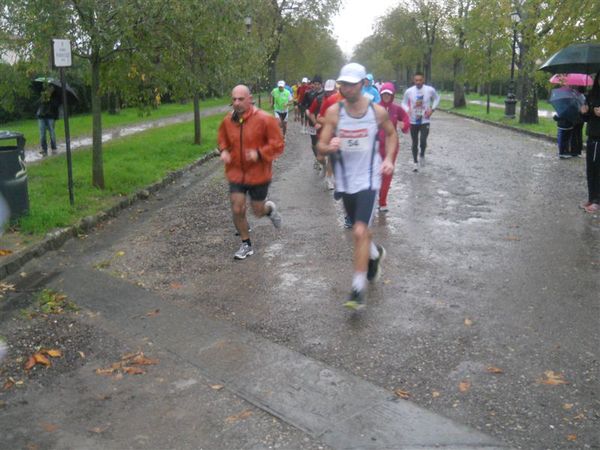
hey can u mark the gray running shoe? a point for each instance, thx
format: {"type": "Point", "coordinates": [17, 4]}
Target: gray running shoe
{"type": "Point", "coordinates": [415, 167]}
{"type": "Point", "coordinates": [244, 251]}
{"type": "Point", "coordinates": [274, 215]}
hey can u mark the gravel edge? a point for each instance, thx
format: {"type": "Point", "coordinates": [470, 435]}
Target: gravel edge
{"type": "Point", "coordinates": [56, 238]}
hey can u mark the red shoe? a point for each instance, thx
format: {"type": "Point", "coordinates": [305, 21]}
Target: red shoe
{"type": "Point", "coordinates": [593, 208]}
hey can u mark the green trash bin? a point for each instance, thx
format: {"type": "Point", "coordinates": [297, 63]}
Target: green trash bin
{"type": "Point", "coordinates": [13, 175]}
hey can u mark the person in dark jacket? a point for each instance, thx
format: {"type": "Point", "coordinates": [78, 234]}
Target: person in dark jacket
{"type": "Point", "coordinates": [563, 136]}
{"type": "Point", "coordinates": [591, 114]}
{"type": "Point", "coordinates": [577, 133]}
{"type": "Point", "coordinates": [47, 115]}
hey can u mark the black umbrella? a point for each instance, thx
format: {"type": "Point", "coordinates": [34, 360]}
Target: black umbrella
{"type": "Point", "coordinates": [71, 94]}
{"type": "Point", "coordinates": [576, 58]}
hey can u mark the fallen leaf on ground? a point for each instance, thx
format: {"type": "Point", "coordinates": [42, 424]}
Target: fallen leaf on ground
{"type": "Point", "coordinates": [579, 417]}
{"type": "Point", "coordinates": [176, 285]}
{"type": "Point", "coordinates": [552, 378]}
{"type": "Point", "coordinates": [468, 322]}
{"type": "Point", "coordinates": [82, 355]}
{"type": "Point", "coordinates": [8, 384]}
{"type": "Point", "coordinates": [464, 386]}
{"type": "Point", "coordinates": [572, 437]}
{"type": "Point", "coordinates": [435, 394]}
{"type": "Point", "coordinates": [512, 238]}
{"type": "Point", "coordinates": [99, 429]}
{"type": "Point", "coordinates": [120, 253]}
{"type": "Point", "coordinates": [49, 427]}
{"type": "Point", "coordinates": [402, 394]}
{"type": "Point", "coordinates": [216, 387]}
{"type": "Point", "coordinates": [133, 370]}
{"type": "Point", "coordinates": [493, 369]}
{"type": "Point", "coordinates": [241, 416]}
{"type": "Point", "coordinates": [5, 252]}
{"type": "Point", "coordinates": [568, 406]}
{"type": "Point", "coordinates": [53, 353]}
{"type": "Point", "coordinates": [105, 371]}
{"type": "Point", "coordinates": [153, 313]}
{"type": "Point", "coordinates": [141, 360]}
{"type": "Point", "coordinates": [30, 363]}
{"type": "Point", "coordinates": [41, 359]}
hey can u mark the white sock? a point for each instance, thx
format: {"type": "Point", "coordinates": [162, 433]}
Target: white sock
{"type": "Point", "coordinates": [373, 252]}
{"type": "Point", "coordinates": [359, 281]}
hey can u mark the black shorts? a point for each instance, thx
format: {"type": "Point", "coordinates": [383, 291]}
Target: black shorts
{"type": "Point", "coordinates": [258, 193]}
{"type": "Point", "coordinates": [282, 116]}
{"type": "Point", "coordinates": [360, 207]}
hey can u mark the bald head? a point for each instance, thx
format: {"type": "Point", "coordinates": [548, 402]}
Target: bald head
{"type": "Point", "coordinates": [241, 98]}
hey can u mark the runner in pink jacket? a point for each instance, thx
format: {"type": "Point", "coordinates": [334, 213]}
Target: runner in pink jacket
{"type": "Point", "coordinates": [396, 113]}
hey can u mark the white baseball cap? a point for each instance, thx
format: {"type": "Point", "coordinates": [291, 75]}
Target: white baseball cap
{"type": "Point", "coordinates": [352, 73]}
{"type": "Point", "coordinates": [281, 83]}
{"type": "Point", "coordinates": [305, 80]}
{"type": "Point", "coordinates": [330, 85]}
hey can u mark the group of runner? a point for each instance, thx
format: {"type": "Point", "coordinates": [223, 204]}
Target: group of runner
{"type": "Point", "coordinates": [352, 125]}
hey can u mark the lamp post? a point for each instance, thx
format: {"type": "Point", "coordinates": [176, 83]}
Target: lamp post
{"type": "Point", "coordinates": [510, 103]}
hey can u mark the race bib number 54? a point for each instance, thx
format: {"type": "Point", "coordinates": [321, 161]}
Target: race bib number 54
{"type": "Point", "coordinates": [354, 140]}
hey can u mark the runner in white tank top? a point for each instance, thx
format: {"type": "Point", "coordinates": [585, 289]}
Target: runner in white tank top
{"type": "Point", "coordinates": [349, 136]}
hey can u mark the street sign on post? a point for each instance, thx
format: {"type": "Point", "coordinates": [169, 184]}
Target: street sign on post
{"type": "Point", "coordinates": [61, 52]}
{"type": "Point", "coordinates": [61, 58]}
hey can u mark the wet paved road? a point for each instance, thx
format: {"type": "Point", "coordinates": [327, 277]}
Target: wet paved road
{"type": "Point", "coordinates": [490, 264]}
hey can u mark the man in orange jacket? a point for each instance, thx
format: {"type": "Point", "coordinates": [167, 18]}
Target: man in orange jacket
{"type": "Point", "coordinates": [249, 141]}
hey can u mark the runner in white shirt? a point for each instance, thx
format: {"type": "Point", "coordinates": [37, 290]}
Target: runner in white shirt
{"type": "Point", "coordinates": [420, 101]}
{"type": "Point", "coordinates": [349, 136]}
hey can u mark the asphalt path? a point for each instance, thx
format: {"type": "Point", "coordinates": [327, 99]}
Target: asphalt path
{"type": "Point", "coordinates": [487, 313]}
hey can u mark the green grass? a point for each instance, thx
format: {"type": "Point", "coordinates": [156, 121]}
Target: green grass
{"type": "Point", "coordinates": [130, 164]}
{"type": "Point", "coordinates": [81, 124]}
{"type": "Point", "coordinates": [542, 104]}
{"type": "Point", "coordinates": [545, 126]}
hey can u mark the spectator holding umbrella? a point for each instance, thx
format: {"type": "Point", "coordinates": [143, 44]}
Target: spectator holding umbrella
{"type": "Point", "coordinates": [47, 114]}
{"type": "Point", "coordinates": [591, 112]}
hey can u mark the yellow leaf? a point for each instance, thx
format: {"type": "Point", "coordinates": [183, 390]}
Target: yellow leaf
{"type": "Point", "coordinates": [4, 252]}
{"type": "Point", "coordinates": [572, 437]}
{"type": "Point", "coordinates": [568, 406]}
{"type": "Point", "coordinates": [552, 378]}
{"type": "Point", "coordinates": [105, 371]}
{"type": "Point", "coordinates": [493, 369]}
{"type": "Point", "coordinates": [468, 322]}
{"type": "Point", "coordinates": [402, 394]}
{"type": "Point", "coordinates": [120, 253]}
{"type": "Point", "coordinates": [435, 394]}
{"type": "Point", "coordinates": [217, 387]}
{"type": "Point", "coordinates": [464, 386]}
{"type": "Point", "coordinates": [53, 353]}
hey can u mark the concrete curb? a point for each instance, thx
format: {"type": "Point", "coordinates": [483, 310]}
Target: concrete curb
{"type": "Point", "coordinates": [56, 238]}
{"type": "Point", "coordinates": [500, 125]}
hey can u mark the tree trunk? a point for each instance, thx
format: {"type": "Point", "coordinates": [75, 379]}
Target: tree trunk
{"type": "Point", "coordinates": [97, 163]}
{"type": "Point", "coordinates": [529, 106]}
{"type": "Point", "coordinates": [459, 88]}
{"type": "Point", "coordinates": [197, 128]}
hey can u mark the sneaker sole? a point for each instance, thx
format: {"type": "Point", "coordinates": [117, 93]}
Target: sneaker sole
{"type": "Point", "coordinates": [250, 253]}
{"type": "Point", "coordinates": [382, 256]}
{"type": "Point", "coordinates": [354, 306]}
